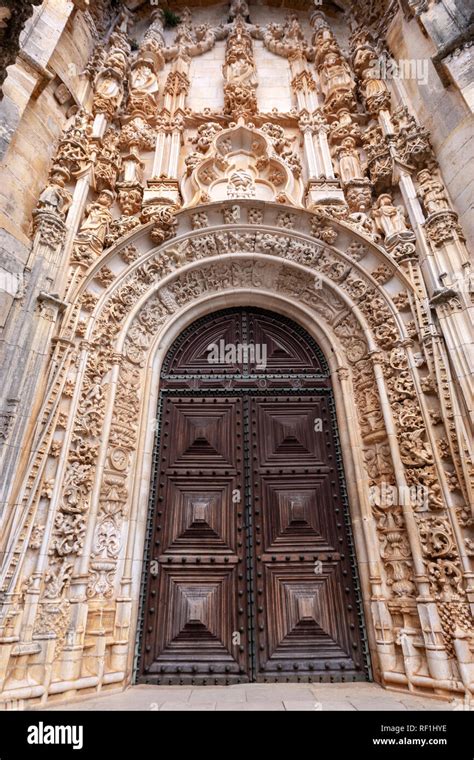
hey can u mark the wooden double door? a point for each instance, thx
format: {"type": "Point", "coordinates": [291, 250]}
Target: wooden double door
{"type": "Point", "coordinates": [250, 573]}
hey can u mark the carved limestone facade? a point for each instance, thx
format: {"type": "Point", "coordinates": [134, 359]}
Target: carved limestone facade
{"type": "Point", "coordinates": [246, 156]}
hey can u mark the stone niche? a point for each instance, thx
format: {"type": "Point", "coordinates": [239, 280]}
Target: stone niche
{"type": "Point", "coordinates": [240, 164]}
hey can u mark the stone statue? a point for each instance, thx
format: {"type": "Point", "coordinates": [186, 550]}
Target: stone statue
{"type": "Point", "coordinates": [432, 192]}
{"type": "Point", "coordinates": [335, 74]}
{"type": "Point", "coordinates": [98, 216]}
{"type": "Point", "coordinates": [389, 219]}
{"type": "Point", "coordinates": [143, 77]}
{"type": "Point", "coordinates": [293, 31]}
{"type": "Point", "coordinates": [239, 72]}
{"type": "Point", "coordinates": [349, 162]}
{"type": "Point", "coordinates": [239, 8]}
{"type": "Point", "coordinates": [108, 84]}
{"type": "Point", "coordinates": [55, 198]}
{"type": "Point", "coordinates": [374, 87]}
{"type": "Point", "coordinates": [239, 65]}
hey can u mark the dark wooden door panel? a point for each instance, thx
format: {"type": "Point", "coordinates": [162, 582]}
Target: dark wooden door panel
{"type": "Point", "coordinates": [295, 517]}
{"type": "Point", "coordinates": [250, 571]}
{"type": "Point", "coordinates": [201, 434]}
{"type": "Point", "coordinates": [195, 622]}
{"type": "Point", "coordinates": [203, 516]}
{"type": "Point", "coordinates": [306, 611]}
{"type": "Point", "coordinates": [196, 616]}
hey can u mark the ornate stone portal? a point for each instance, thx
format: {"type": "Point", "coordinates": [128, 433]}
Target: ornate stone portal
{"type": "Point", "coordinates": [161, 213]}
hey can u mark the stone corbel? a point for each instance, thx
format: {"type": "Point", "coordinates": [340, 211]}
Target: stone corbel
{"type": "Point", "coordinates": [323, 191]}
{"type": "Point", "coordinates": [161, 200]}
{"type": "Point", "coordinates": [50, 229]}
{"type": "Point", "coordinates": [52, 299]}
{"type": "Point", "coordinates": [443, 227]}
{"type": "Point", "coordinates": [401, 246]}
{"type": "Point", "coordinates": [44, 75]}
{"type": "Point", "coordinates": [446, 296]}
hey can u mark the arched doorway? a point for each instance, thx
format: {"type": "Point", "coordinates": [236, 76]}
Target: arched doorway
{"type": "Point", "coordinates": [250, 572]}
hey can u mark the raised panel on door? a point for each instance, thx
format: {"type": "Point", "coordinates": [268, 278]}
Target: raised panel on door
{"type": "Point", "coordinates": [197, 600]}
{"type": "Point", "coordinates": [305, 606]}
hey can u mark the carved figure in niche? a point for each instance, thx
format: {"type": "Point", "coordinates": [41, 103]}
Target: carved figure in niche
{"type": "Point", "coordinates": [373, 87]}
{"type": "Point", "coordinates": [349, 162]}
{"type": "Point", "coordinates": [239, 67]}
{"type": "Point", "coordinates": [335, 74]}
{"type": "Point", "coordinates": [55, 198]}
{"type": "Point", "coordinates": [432, 192]}
{"type": "Point", "coordinates": [108, 85]}
{"type": "Point", "coordinates": [143, 77]}
{"type": "Point", "coordinates": [98, 216]}
{"type": "Point", "coordinates": [344, 126]}
{"type": "Point", "coordinates": [293, 32]}
{"type": "Point", "coordinates": [94, 395]}
{"type": "Point", "coordinates": [389, 219]}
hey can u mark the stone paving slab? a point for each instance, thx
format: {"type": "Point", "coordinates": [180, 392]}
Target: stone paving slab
{"type": "Point", "coordinates": [248, 697]}
{"type": "Point", "coordinates": [186, 706]}
{"type": "Point", "coordinates": [250, 706]}
{"type": "Point", "coordinates": [335, 705]}
{"type": "Point", "coordinates": [296, 692]}
{"type": "Point", "coordinates": [216, 694]}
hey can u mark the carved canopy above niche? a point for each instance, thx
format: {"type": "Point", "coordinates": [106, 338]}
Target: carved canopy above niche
{"type": "Point", "coordinates": [240, 163]}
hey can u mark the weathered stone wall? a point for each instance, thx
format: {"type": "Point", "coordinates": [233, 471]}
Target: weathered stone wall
{"type": "Point", "coordinates": [444, 105]}
{"type": "Point", "coordinates": [57, 43]}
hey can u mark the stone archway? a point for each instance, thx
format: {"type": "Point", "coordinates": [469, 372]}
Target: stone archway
{"type": "Point", "coordinates": [84, 491]}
